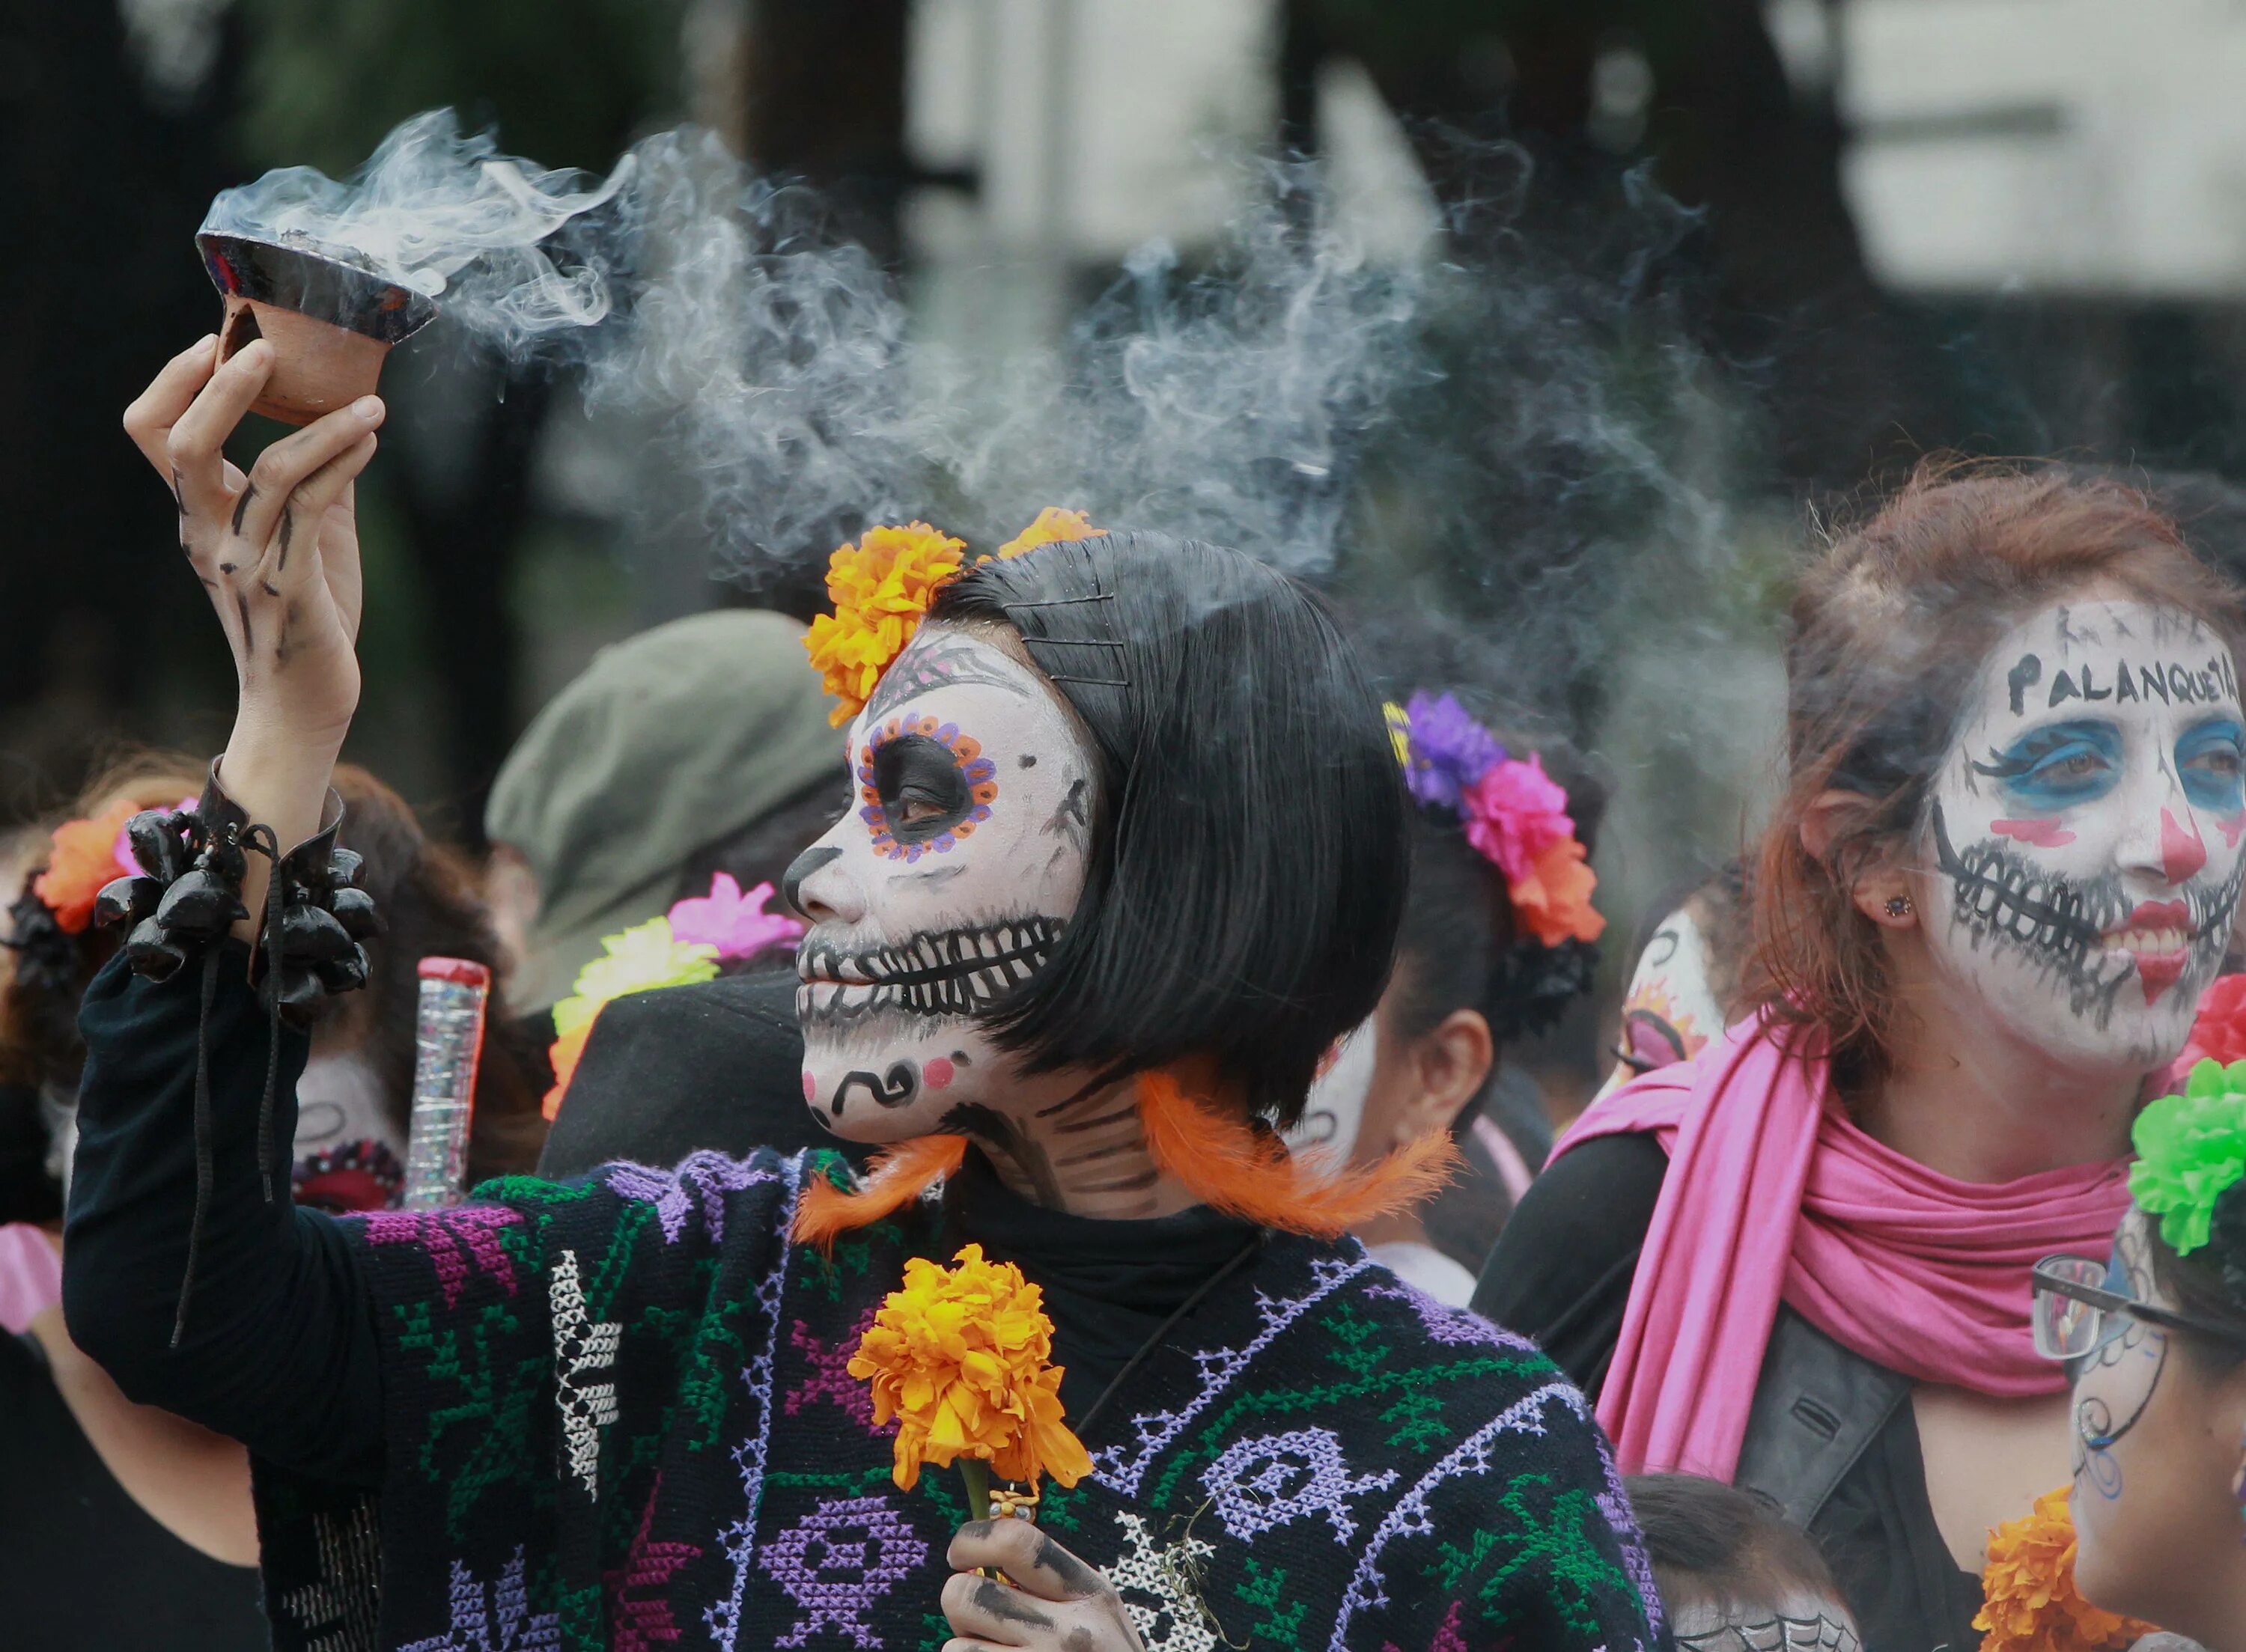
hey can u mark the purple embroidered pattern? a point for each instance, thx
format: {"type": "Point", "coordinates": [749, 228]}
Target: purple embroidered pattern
{"type": "Point", "coordinates": [452, 1239]}
{"type": "Point", "coordinates": [639, 1620]}
{"type": "Point", "coordinates": [1262, 1483]}
{"type": "Point", "coordinates": [1452, 1326]}
{"type": "Point", "coordinates": [724, 1616]}
{"type": "Point", "coordinates": [829, 1379]}
{"type": "Point", "coordinates": [837, 1562]}
{"type": "Point", "coordinates": [708, 1174]}
{"type": "Point", "coordinates": [495, 1617]}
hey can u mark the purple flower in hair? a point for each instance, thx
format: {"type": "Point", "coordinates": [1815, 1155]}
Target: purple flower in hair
{"type": "Point", "coordinates": [1450, 751]}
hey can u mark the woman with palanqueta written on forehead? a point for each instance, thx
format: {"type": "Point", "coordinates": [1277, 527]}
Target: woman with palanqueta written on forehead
{"type": "Point", "coordinates": [2006, 863]}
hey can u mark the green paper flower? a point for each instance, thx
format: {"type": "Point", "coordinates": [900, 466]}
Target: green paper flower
{"type": "Point", "coordinates": [2191, 1149]}
{"type": "Point", "coordinates": [642, 958]}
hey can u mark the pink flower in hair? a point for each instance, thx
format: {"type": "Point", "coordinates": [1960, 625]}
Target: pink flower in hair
{"type": "Point", "coordinates": [735, 923]}
{"type": "Point", "coordinates": [1514, 813]}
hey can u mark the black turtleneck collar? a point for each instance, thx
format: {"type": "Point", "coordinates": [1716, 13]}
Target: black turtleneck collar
{"type": "Point", "coordinates": [1108, 1285]}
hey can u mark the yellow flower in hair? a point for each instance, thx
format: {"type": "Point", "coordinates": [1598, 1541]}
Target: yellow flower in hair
{"type": "Point", "coordinates": [1053, 524]}
{"type": "Point", "coordinates": [881, 588]}
{"type": "Point", "coordinates": [958, 1356]}
{"type": "Point", "coordinates": [1399, 732]}
{"type": "Point", "coordinates": [2030, 1601]}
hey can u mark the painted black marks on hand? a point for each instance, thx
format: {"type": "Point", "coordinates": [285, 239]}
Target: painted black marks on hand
{"type": "Point", "coordinates": [1007, 1605]}
{"type": "Point", "coordinates": [241, 504]}
{"type": "Point", "coordinates": [1072, 1574]}
{"type": "Point", "coordinates": [287, 528]}
{"type": "Point", "coordinates": [179, 494]}
{"type": "Point", "coordinates": [269, 587]}
{"type": "Point", "coordinates": [896, 1088]}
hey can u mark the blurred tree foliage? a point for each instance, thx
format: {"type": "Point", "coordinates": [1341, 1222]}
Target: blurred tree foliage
{"type": "Point", "coordinates": [568, 82]}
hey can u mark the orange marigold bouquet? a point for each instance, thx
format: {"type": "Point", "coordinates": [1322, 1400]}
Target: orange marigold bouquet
{"type": "Point", "coordinates": [2029, 1603]}
{"type": "Point", "coordinates": [959, 1357]}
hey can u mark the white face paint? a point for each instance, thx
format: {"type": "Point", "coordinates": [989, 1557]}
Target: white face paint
{"type": "Point", "coordinates": [962, 857]}
{"type": "Point", "coordinates": [2085, 830]}
{"type": "Point", "coordinates": [349, 1155]}
{"type": "Point", "coordinates": [1334, 1114]}
{"type": "Point", "coordinates": [1670, 1010]}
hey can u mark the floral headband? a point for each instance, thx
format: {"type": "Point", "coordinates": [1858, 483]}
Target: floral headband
{"type": "Point", "coordinates": [1515, 814]}
{"type": "Point", "coordinates": [85, 855]}
{"type": "Point", "coordinates": [2191, 1151]}
{"type": "Point", "coordinates": [881, 588]}
{"type": "Point", "coordinates": [685, 945]}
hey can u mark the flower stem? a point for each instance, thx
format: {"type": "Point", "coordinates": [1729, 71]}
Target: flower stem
{"type": "Point", "coordinates": [977, 1475]}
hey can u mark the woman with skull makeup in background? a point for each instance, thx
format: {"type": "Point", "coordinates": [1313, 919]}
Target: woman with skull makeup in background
{"type": "Point", "coordinates": [1497, 941]}
{"type": "Point", "coordinates": [1124, 853]}
{"type": "Point", "coordinates": [2006, 862]}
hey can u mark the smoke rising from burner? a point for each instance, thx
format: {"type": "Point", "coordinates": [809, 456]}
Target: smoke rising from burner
{"type": "Point", "coordinates": [1514, 432]}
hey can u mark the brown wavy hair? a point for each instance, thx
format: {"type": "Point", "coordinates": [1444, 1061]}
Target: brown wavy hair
{"type": "Point", "coordinates": [1889, 628]}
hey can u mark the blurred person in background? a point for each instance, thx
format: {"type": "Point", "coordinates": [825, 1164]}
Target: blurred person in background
{"type": "Point", "coordinates": [2153, 1339]}
{"type": "Point", "coordinates": [1685, 988]}
{"type": "Point", "coordinates": [1733, 1574]}
{"type": "Point", "coordinates": [1497, 940]}
{"type": "Point", "coordinates": [86, 1474]}
{"type": "Point", "coordinates": [697, 747]}
{"type": "Point", "coordinates": [2007, 862]}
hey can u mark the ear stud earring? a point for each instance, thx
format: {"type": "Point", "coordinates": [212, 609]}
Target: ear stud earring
{"type": "Point", "coordinates": [1899, 906]}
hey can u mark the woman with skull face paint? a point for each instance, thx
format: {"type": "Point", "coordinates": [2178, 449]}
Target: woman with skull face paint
{"type": "Point", "coordinates": [1124, 854]}
{"type": "Point", "coordinates": [1497, 941]}
{"type": "Point", "coordinates": [2005, 864]}
{"type": "Point", "coordinates": [2155, 1339]}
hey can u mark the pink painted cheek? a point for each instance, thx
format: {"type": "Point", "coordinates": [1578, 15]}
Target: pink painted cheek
{"type": "Point", "coordinates": [936, 1074]}
{"type": "Point", "coordinates": [2232, 830]}
{"type": "Point", "coordinates": [2044, 834]}
{"type": "Point", "coordinates": [810, 1086]}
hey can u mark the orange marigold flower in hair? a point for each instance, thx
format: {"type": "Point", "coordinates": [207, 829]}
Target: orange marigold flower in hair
{"type": "Point", "coordinates": [958, 1357]}
{"type": "Point", "coordinates": [2029, 1598]}
{"type": "Point", "coordinates": [1053, 524]}
{"type": "Point", "coordinates": [84, 858]}
{"type": "Point", "coordinates": [881, 588]}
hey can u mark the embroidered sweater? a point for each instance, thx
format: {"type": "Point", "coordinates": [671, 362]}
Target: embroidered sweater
{"type": "Point", "coordinates": [615, 1413]}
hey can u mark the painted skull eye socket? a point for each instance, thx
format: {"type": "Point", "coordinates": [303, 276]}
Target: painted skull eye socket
{"type": "Point", "coordinates": [922, 786]}
{"type": "Point", "coordinates": [2210, 763]}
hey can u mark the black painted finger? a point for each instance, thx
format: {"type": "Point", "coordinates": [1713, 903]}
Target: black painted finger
{"type": "Point", "coordinates": [994, 1610]}
{"type": "Point", "coordinates": [1028, 1556]}
{"type": "Point", "coordinates": [196, 447]}
{"type": "Point", "coordinates": [292, 560]}
{"type": "Point", "coordinates": [283, 470]}
{"type": "Point", "coordinates": [149, 418]}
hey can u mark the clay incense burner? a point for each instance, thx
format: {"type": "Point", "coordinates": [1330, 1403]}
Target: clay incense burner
{"type": "Point", "coordinates": [330, 322]}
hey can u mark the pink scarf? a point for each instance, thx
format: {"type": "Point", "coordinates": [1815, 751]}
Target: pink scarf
{"type": "Point", "coordinates": [1773, 1195]}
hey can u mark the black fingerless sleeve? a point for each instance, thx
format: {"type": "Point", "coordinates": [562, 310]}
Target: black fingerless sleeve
{"type": "Point", "coordinates": [278, 1347]}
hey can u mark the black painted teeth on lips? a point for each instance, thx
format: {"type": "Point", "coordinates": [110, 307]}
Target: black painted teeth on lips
{"type": "Point", "coordinates": [952, 972]}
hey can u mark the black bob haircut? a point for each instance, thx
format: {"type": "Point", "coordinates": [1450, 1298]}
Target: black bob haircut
{"type": "Point", "coordinates": [1248, 851]}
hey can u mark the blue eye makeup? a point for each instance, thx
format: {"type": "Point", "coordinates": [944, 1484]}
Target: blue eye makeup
{"type": "Point", "coordinates": [2060, 765]}
{"type": "Point", "coordinates": [2210, 760]}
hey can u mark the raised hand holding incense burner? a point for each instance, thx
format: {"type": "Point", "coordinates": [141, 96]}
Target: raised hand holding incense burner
{"type": "Point", "coordinates": [331, 323]}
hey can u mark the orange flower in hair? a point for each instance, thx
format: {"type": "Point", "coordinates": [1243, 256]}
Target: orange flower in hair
{"type": "Point", "coordinates": [1053, 524]}
{"type": "Point", "coordinates": [2030, 1600]}
{"type": "Point", "coordinates": [84, 858]}
{"type": "Point", "coordinates": [881, 587]}
{"type": "Point", "coordinates": [960, 1358]}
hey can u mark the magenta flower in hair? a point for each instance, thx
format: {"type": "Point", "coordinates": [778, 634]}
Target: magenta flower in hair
{"type": "Point", "coordinates": [736, 924]}
{"type": "Point", "coordinates": [1449, 751]}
